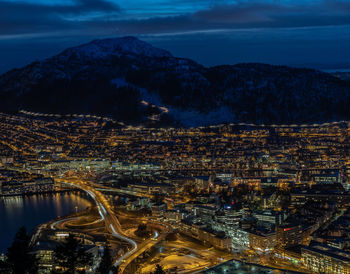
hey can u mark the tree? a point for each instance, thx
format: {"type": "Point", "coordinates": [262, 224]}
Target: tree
{"type": "Point", "coordinates": [106, 262]}
{"type": "Point", "coordinates": [142, 231]}
{"type": "Point", "coordinates": [4, 268]}
{"type": "Point", "coordinates": [159, 270]}
{"type": "Point", "coordinates": [19, 258]}
{"type": "Point", "coordinates": [70, 257]}
{"type": "Point", "coordinates": [171, 237]}
{"type": "Point", "coordinates": [115, 269]}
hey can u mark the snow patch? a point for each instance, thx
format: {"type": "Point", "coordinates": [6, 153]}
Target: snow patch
{"type": "Point", "coordinates": [117, 47]}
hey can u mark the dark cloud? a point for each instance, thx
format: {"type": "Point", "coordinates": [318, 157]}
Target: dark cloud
{"type": "Point", "coordinates": [238, 13]}
{"type": "Point", "coordinates": [246, 15]}
{"type": "Point", "coordinates": [25, 17]}
{"type": "Point", "coordinates": [104, 17]}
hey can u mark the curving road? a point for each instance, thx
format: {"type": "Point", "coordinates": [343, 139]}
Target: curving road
{"type": "Point", "coordinates": [112, 223]}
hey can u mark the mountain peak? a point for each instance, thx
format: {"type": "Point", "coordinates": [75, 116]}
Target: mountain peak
{"type": "Point", "coordinates": [134, 82]}
{"type": "Point", "coordinates": [117, 46]}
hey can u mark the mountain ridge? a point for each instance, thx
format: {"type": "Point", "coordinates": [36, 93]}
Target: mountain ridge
{"type": "Point", "coordinates": [132, 81]}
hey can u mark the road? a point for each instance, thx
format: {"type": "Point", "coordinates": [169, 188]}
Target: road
{"type": "Point", "coordinates": [113, 225]}
{"type": "Point", "coordinates": [54, 225]}
{"type": "Point", "coordinates": [142, 248]}
{"type": "Point", "coordinates": [111, 221]}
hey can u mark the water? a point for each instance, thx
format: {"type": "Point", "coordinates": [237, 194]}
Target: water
{"type": "Point", "coordinates": [30, 211]}
{"type": "Point", "coordinates": [336, 70]}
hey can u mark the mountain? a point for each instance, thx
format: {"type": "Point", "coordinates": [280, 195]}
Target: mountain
{"type": "Point", "coordinates": [132, 81]}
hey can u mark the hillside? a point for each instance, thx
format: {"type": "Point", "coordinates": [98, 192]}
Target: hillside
{"type": "Point", "coordinates": [134, 82]}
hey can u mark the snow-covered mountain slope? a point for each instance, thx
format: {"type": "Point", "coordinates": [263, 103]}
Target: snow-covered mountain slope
{"type": "Point", "coordinates": [133, 81]}
{"type": "Point", "coordinates": [116, 47]}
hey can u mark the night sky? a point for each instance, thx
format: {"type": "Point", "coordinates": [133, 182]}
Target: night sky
{"type": "Point", "coordinates": [313, 33]}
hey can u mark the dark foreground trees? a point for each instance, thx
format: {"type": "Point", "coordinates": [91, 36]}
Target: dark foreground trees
{"type": "Point", "coordinates": [106, 264]}
{"type": "Point", "coordinates": [19, 259]}
{"type": "Point", "coordinates": [70, 257]}
{"type": "Point", "coordinates": [142, 231]}
{"type": "Point", "coordinates": [159, 270]}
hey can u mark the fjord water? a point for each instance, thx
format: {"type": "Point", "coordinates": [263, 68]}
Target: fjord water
{"type": "Point", "coordinates": [31, 211]}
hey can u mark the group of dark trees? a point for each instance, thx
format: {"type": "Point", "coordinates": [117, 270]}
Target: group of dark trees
{"type": "Point", "coordinates": [142, 231]}
{"type": "Point", "coordinates": [91, 96]}
{"type": "Point", "coordinates": [19, 259]}
{"type": "Point", "coordinates": [256, 93]}
{"type": "Point", "coordinates": [106, 264]}
{"type": "Point", "coordinates": [159, 270]}
{"type": "Point", "coordinates": [70, 257]}
{"type": "Point", "coordinates": [97, 96]}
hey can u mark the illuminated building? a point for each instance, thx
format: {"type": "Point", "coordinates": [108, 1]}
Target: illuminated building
{"type": "Point", "coordinates": [4, 160]}
{"type": "Point", "coordinates": [218, 240]}
{"type": "Point", "coordinates": [300, 198]}
{"type": "Point", "coordinates": [205, 213]}
{"type": "Point", "coordinates": [202, 181]}
{"type": "Point", "coordinates": [326, 179]}
{"type": "Point", "coordinates": [289, 235]}
{"type": "Point", "coordinates": [150, 188]}
{"type": "Point", "coordinates": [230, 217]}
{"type": "Point", "coordinates": [225, 177]}
{"type": "Point", "coordinates": [205, 235]}
{"type": "Point", "coordinates": [173, 216]}
{"type": "Point", "coordinates": [325, 259]}
{"type": "Point", "coordinates": [262, 241]}
{"type": "Point", "coordinates": [158, 209]}
{"type": "Point", "coordinates": [44, 253]}
{"type": "Point", "coordinates": [240, 238]}
{"type": "Point", "coordinates": [269, 216]}
{"type": "Point", "coordinates": [27, 187]}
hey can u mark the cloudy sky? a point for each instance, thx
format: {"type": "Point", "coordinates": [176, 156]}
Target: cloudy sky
{"type": "Point", "coordinates": [294, 32]}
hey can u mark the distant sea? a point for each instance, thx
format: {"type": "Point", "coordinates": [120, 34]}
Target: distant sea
{"type": "Point", "coordinates": [336, 70]}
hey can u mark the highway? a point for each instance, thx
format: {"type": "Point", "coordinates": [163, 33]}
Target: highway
{"type": "Point", "coordinates": [142, 248]}
{"type": "Point", "coordinates": [112, 223]}
{"type": "Point", "coordinates": [55, 224]}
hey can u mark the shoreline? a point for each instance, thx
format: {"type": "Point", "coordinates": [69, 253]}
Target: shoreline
{"type": "Point", "coordinates": [39, 193]}
{"type": "Point", "coordinates": [31, 230]}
